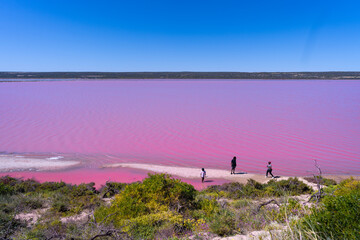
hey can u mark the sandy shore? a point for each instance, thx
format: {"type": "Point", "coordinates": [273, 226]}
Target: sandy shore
{"type": "Point", "coordinates": [17, 163]}
{"type": "Point", "coordinates": [186, 172]}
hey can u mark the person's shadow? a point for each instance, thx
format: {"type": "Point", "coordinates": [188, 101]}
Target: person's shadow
{"type": "Point", "coordinates": [208, 180]}
{"type": "Point", "coordinates": [240, 173]}
{"type": "Point", "coordinates": [276, 177]}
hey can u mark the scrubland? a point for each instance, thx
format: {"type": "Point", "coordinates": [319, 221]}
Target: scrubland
{"type": "Point", "coordinates": [162, 207]}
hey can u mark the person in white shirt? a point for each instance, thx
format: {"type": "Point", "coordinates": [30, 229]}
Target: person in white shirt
{"type": "Point", "coordinates": [202, 174]}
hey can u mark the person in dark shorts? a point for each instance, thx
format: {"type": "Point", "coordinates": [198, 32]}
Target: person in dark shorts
{"type": "Point", "coordinates": [269, 170]}
{"type": "Point", "coordinates": [233, 165]}
{"type": "Point", "coordinates": [202, 174]}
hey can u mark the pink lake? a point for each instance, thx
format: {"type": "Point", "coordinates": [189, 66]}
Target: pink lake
{"type": "Point", "coordinates": [201, 123]}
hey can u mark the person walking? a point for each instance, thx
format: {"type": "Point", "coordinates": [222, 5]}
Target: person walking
{"type": "Point", "coordinates": [202, 174]}
{"type": "Point", "coordinates": [233, 165]}
{"type": "Point", "coordinates": [269, 170]}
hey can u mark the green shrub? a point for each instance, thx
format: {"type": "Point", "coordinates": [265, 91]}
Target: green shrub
{"type": "Point", "coordinates": [83, 189]}
{"type": "Point", "coordinates": [157, 193]}
{"type": "Point", "coordinates": [347, 186]}
{"type": "Point", "coordinates": [20, 203]}
{"type": "Point", "coordinates": [61, 205]}
{"type": "Point", "coordinates": [205, 208]}
{"type": "Point", "coordinates": [292, 186]}
{"type": "Point", "coordinates": [339, 216]}
{"type": "Point", "coordinates": [143, 208]}
{"type": "Point", "coordinates": [241, 203]}
{"type": "Point", "coordinates": [8, 224]}
{"type": "Point", "coordinates": [322, 180]}
{"type": "Point", "coordinates": [85, 202]}
{"type": "Point", "coordinates": [288, 210]}
{"type": "Point", "coordinates": [253, 189]}
{"type": "Point", "coordinates": [8, 209]}
{"type": "Point", "coordinates": [6, 189]}
{"type": "Point", "coordinates": [47, 229]}
{"type": "Point", "coordinates": [51, 186]}
{"type": "Point", "coordinates": [223, 223]}
{"type": "Point", "coordinates": [26, 202]}
{"type": "Point", "coordinates": [146, 226]}
{"type": "Point", "coordinates": [26, 186]}
{"type": "Point", "coordinates": [69, 205]}
{"type": "Point", "coordinates": [111, 188]}
{"type": "Point", "coordinates": [7, 180]}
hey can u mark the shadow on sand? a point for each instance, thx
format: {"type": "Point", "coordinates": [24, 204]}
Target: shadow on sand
{"type": "Point", "coordinates": [240, 173]}
{"type": "Point", "coordinates": [208, 180]}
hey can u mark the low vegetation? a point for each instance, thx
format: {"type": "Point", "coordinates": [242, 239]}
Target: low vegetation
{"type": "Point", "coordinates": [161, 207]}
{"type": "Point", "coordinates": [321, 180]}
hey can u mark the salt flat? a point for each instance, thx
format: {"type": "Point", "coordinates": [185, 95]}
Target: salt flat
{"type": "Point", "coordinates": [18, 163]}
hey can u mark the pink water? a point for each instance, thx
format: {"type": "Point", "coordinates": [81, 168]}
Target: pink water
{"type": "Point", "coordinates": [188, 123]}
{"type": "Point", "coordinates": [101, 176]}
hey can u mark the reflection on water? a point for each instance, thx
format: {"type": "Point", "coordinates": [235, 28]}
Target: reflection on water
{"type": "Point", "coordinates": [188, 123]}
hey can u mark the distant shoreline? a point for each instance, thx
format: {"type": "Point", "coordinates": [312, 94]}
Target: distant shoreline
{"type": "Point", "coordinates": [43, 76]}
{"type": "Point", "coordinates": [36, 80]}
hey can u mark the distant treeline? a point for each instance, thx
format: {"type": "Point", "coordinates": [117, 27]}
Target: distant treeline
{"type": "Point", "coordinates": [179, 75]}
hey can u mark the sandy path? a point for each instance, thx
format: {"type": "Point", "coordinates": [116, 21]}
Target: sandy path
{"type": "Point", "coordinates": [187, 172]}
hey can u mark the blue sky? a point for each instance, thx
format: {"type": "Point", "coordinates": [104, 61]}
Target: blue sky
{"type": "Point", "coordinates": [172, 35]}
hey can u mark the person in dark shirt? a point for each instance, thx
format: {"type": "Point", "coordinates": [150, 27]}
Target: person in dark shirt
{"type": "Point", "coordinates": [269, 170]}
{"type": "Point", "coordinates": [233, 165]}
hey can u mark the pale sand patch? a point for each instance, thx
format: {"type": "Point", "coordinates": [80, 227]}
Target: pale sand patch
{"type": "Point", "coordinates": [31, 217]}
{"type": "Point", "coordinates": [339, 178]}
{"type": "Point", "coordinates": [14, 163]}
{"type": "Point", "coordinates": [187, 172]}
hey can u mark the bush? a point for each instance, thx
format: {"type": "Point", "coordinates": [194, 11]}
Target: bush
{"type": "Point", "coordinates": [157, 193]}
{"type": "Point", "coordinates": [288, 210]}
{"type": "Point", "coordinates": [146, 226]}
{"type": "Point", "coordinates": [61, 204]}
{"type": "Point", "coordinates": [205, 208]}
{"type": "Point", "coordinates": [143, 208]}
{"type": "Point", "coordinates": [8, 210]}
{"type": "Point", "coordinates": [69, 205]}
{"type": "Point", "coordinates": [10, 185]}
{"type": "Point", "coordinates": [6, 189]}
{"type": "Point", "coordinates": [292, 186]}
{"type": "Point", "coordinates": [223, 223]}
{"type": "Point", "coordinates": [346, 187]}
{"type": "Point", "coordinates": [322, 180]}
{"type": "Point", "coordinates": [26, 186]}
{"type": "Point", "coordinates": [48, 229]}
{"type": "Point", "coordinates": [339, 217]}
{"type": "Point", "coordinates": [240, 203]}
{"type": "Point", "coordinates": [111, 188]}
{"type": "Point", "coordinates": [8, 224]}
{"type": "Point", "coordinates": [51, 186]}
{"type": "Point", "coordinates": [28, 202]}
{"type": "Point", "coordinates": [253, 189]}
